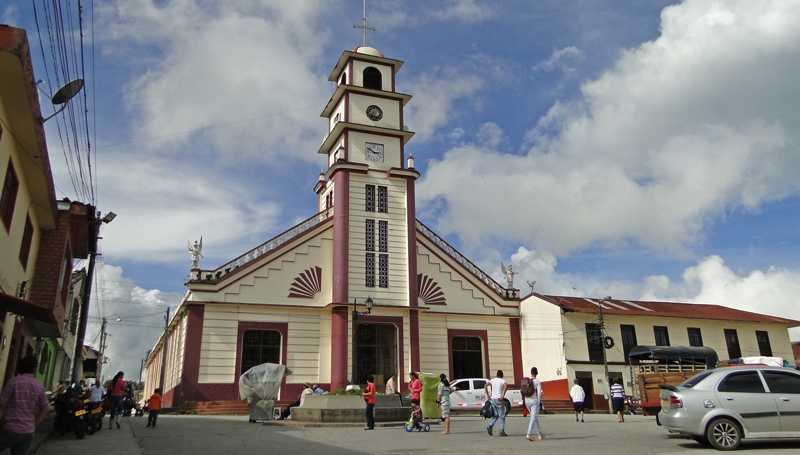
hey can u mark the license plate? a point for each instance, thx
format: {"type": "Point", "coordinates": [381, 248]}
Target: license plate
{"type": "Point", "coordinates": [86, 400]}
{"type": "Point", "coordinates": [96, 411]}
{"type": "Point", "coordinates": [80, 413]}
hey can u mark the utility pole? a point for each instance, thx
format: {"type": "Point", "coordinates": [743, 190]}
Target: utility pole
{"type": "Point", "coordinates": [605, 357]}
{"type": "Point", "coordinates": [164, 353]}
{"type": "Point", "coordinates": [102, 350]}
{"type": "Point", "coordinates": [94, 235]}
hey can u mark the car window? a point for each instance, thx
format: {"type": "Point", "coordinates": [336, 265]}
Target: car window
{"type": "Point", "coordinates": [478, 383]}
{"type": "Point", "coordinates": [461, 385]}
{"type": "Point", "coordinates": [747, 381]}
{"type": "Point", "coordinates": [694, 380]}
{"type": "Point", "coordinates": [780, 382]}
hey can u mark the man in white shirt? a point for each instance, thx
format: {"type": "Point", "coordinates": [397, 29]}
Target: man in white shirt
{"type": "Point", "coordinates": [498, 392]}
{"type": "Point", "coordinates": [97, 392]}
{"type": "Point", "coordinates": [578, 395]}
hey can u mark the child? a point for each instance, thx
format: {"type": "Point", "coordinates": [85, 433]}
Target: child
{"type": "Point", "coordinates": [416, 416]}
{"type": "Point", "coordinates": [155, 405]}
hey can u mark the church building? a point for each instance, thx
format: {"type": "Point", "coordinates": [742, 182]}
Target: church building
{"type": "Point", "coordinates": [359, 288]}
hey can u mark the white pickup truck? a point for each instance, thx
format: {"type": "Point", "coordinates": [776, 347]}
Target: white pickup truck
{"type": "Point", "coordinates": [469, 395]}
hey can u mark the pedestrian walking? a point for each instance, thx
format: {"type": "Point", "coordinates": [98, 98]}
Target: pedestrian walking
{"type": "Point", "coordinates": [116, 391]}
{"type": "Point", "coordinates": [415, 386]}
{"type": "Point", "coordinates": [578, 395]}
{"type": "Point", "coordinates": [532, 402]}
{"type": "Point", "coordinates": [154, 406]}
{"type": "Point", "coordinates": [21, 397]}
{"type": "Point", "coordinates": [618, 399]}
{"type": "Point", "coordinates": [369, 397]}
{"type": "Point", "coordinates": [443, 401]}
{"type": "Point", "coordinates": [498, 392]}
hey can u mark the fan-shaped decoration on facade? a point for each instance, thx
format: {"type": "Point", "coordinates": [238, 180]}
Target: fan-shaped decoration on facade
{"type": "Point", "coordinates": [307, 284]}
{"type": "Point", "coordinates": [430, 291]}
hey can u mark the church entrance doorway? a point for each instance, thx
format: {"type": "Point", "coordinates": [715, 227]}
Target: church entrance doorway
{"type": "Point", "coordinates": [260, 346]}
{"type": "Point", "coordinates": [467, 357]}
{"type": "Point", "coordinates": [376, 352]}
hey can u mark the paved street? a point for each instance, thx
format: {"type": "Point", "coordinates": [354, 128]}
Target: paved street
{"type": "Point", "coordinates": [210, 435]}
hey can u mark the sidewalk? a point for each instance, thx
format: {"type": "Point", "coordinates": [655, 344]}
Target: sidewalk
{"type": "Point", "coordinates": [121, 442]}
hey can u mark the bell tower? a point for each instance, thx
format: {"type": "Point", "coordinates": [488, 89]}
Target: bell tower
{"type": "Point", "coordinates": [369, 186]}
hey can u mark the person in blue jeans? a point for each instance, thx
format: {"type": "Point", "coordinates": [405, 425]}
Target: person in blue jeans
{"type": "Point", "coordinates": [498, 387]}
{"type": "Point", "coordinates": [369, 398]}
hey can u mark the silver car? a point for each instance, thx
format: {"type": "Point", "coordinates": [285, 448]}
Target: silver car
{"type": "Point", "coordinates": [725, 405]}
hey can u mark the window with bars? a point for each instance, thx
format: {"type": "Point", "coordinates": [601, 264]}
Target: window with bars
{"type": "Point", "coordinates": [383, 236]}
{"type": "Point", "coordinates": [9, 196]}
{"type": "Point", "coordinates": [25, 248]}
{"type": "Point", "coordinates": [329, 200]}
{"type": "Point", "coordinates": [764, 348]}
{"type": "Point", "coordinates": [383, 203]}
{"type": "Point", "coordinates": [732, 340]}
{"type": "Point", "coordinates": [695, 337]}
{"type": "Point", "coordinates": [369, 275]}
{"type": "Point", "coordinates": [628, 333]}
{"type": "Point", "coordinates": [383, 271]}
{"type": "Point", "coordinates": [661, 334]}
{"type": "Point", "coordinates": [594, 340]}
{"type": "Point", "coordinates": [369, 198]}
{"type": "Point", "coordinates": [369, 234]}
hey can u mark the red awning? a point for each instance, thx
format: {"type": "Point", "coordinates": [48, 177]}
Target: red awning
{"type": "Point", "coordinates": [27, 309]}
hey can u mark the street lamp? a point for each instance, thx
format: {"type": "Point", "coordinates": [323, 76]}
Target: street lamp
{"type": "Point", "coordinates": [356, 314]}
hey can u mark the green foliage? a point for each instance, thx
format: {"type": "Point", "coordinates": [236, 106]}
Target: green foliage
{"type": "Point", "coordinates": [346, 392]}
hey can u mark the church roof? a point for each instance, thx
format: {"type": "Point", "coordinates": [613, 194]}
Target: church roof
{"type": "Point", "coordinates": [663, 309]}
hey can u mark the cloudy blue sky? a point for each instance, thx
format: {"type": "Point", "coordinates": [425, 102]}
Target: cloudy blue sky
{"type": "Point", "coordinates": [644, 150]}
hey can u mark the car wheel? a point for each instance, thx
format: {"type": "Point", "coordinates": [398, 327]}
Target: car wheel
{"type": "Point", "coordinates": [724, 434]}
{"type": "Point", "coordinates": [507, 405]}
{"type": "Point", "coordinates": [701, 439]}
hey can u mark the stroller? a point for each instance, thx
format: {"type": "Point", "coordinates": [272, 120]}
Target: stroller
{"type": "Point", "coordinates": [415, 422]}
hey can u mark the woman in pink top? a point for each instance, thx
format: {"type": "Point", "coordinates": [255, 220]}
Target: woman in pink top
{"type": "Point", "coordinates": [415, 386]}
{"type": "Point", "coordinates": [116, 392]}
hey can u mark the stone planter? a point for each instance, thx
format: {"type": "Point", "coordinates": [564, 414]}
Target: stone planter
{"type": "Point", "coordinates": [349, 408]}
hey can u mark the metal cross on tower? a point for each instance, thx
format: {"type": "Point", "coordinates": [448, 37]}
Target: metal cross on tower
{"type": "Point", "coordinates": [374, 29]}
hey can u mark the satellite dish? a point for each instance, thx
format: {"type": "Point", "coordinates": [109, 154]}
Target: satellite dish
{"type": "Point", "coordinates": [66, 92]}
{"type": "Point", "coordinates": [63, 95]}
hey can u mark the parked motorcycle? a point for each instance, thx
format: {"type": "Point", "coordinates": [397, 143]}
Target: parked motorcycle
{"type": "Point", "coordinates": [69, 409]}
{"type": "Point", "coordinates": [93, 419]}
{"type": "Point", "coordinates": [630, 406]}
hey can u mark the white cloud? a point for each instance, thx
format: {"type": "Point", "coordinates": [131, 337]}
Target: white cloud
{"type": "Point", "coordinates": [435, 94]}
{"type": "Point", "coordinates": [141, 312]}
{"type": "Point", "coordinates": [224, 64]}
{"type": "Point", "coordinates": [683, 129]}
{"type": "Point", "coordinates": [467, 11]}
{"type": "Point", "coordinates": [161, 204]}
{"type": "Point", "coordinates": [562, 59]}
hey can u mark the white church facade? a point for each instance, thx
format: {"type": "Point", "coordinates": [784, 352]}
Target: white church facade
{"type": "Point", "coordinates": [291, 299]}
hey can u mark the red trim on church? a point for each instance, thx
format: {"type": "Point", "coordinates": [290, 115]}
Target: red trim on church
{"type": "Point", "coordinates": [516, 350]}
{"type": "Point", "coordinates": [339, 318]}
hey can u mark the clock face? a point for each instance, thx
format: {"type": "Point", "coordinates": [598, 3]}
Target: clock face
{"type": "Point", "coordinates": [374, 113]}
{"type": "Point", "coordinates": [373, 152]}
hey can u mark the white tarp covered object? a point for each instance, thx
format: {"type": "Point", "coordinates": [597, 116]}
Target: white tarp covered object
{"type": "Point", "coordinates": [261, 384]}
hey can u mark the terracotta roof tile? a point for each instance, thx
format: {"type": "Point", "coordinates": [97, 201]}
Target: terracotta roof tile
{"type": "Point", "coordinates": [666, 309]}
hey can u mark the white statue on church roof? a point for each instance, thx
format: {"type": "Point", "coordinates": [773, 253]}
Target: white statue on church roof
{"type": "Point", "coordinates": [509, 274]}
{"type": "Point", "coordinates": [195, 251]}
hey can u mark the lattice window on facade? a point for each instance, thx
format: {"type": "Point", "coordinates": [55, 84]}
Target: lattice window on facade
{"type": "Point", "coordinates": [383, 271]}
{"type": "Point", "coordinates": [383, 203]}
{"type": "Point", "coordinates": [329, 200]}
{"type": "Point", "coordinates": [369, 275]}
{"type": "Point", "coordinates": [383, 236]}
{"type": "Point", "coordinates": [369, 198]}
{"type": "Point", "coordinates": [369, 234]}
